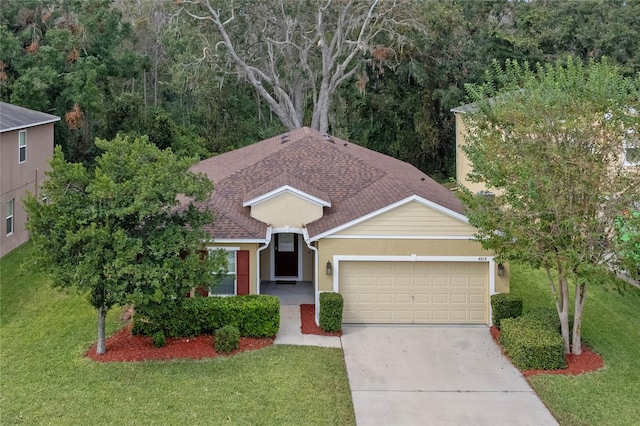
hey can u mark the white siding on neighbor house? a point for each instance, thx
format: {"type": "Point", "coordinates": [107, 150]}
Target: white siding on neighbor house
{"type": "Point", "coordinates": [412, 220]}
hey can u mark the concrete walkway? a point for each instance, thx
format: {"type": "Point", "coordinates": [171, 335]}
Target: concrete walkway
{"type": "Point", "coordinates": [290, 334]}
{"type": "Point", "coordinates": [450, 375]}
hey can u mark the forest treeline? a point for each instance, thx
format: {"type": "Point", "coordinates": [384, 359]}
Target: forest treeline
{"type": "Point", "coordinates": [211, 76]}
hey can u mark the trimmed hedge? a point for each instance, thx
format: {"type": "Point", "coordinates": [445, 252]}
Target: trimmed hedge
{"type": "Point", "coordinates": [545, 317]}
{"type": "Point", "coordinates": [331, 305]}
{"type": "Point", "coordinates": [227, 339]}
{"type": "Point", "coordinates": [531, 346]}
{"type": "Point", "coordinates": [253, 315]}
{"type": "Point", "coordinates": [505, 305]}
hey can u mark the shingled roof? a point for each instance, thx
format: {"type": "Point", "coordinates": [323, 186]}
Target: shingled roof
{"type": "Point", "coordinates": [355, 180]}
{"type": "Point", "coordinates": [13, 117]}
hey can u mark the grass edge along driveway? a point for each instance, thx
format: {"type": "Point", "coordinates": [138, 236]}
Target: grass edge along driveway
{"type": "Point", "coordinates": [44, 378]}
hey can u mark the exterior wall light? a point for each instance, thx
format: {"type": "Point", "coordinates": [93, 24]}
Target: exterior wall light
{"type": "Point", "coordinates": [329, 268]}
{"type": "Point", "coordinates": [500, 270]}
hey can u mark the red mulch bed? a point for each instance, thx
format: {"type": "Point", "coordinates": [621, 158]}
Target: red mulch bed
{"type": "Point", "coordinates": [123, 346]}
{"type": "Point", "coordinates": [586, 362]}
{"type": "Point", "coordinates": [308, 317]}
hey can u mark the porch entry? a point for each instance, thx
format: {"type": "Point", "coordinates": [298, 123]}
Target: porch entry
{"type": "Point", "coordinates": [286, 252]}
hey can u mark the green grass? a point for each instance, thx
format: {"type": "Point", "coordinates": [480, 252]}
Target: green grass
{"type": "Point", "coordinates": [611, 326]}
{"type": "Point", "coordinates": [45, 379]}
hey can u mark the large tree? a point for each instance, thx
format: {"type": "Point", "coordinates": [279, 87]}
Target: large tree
{"type": "Point", "coordinates": [297, 54]}
{"type": "Point", "coordinates": [117, 233]}
{"type": "Point", "coordinates": [549, 142]}
{"type": "Point", "coordinates": [69, 58]}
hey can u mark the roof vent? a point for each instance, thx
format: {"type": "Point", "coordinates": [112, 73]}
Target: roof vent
{"type": "Point", "coordinates": [422, 179]}
{"type": "Point", "coordinates": [345, 144]}
{"type": "Point", "coordinates": [284, 138]}
{"type": "Point", "coordinates": [328, 138]}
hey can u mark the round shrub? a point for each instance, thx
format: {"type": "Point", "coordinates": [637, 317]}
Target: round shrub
{"type": "Point", "coordinates": [227, 339]}
{"type": "Point", "coordinates": [159, 339]}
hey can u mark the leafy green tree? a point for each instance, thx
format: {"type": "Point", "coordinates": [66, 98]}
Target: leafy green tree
{"type": "Point", "coordinates": [118, 233]}
{"type": "Point", "coordinates": [70, 58]}
{"type": "Point", "coordinates": [628, 243]}
{"type": "Point", "coordinates": [550, 145]}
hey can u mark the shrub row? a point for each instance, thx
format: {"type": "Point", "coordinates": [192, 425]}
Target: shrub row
{"type": "Point", "coordinates": [533, 342]}
{"type": "Point", "coordinates": [331, 305]}
{"type": "Point", "coordinates": [505, 305]}
{"type": "Point", "coordinates": [253, 315]}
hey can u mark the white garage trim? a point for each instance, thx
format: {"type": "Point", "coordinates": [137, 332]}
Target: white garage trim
{"type": "Point", "coordinates": [415, 258]}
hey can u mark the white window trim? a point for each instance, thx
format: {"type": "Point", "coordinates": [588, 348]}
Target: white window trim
{"type": "Point", "coordinates": [21, 147]}
{"type": "Point", "coordinates": [234, 273]}
{"type": "Point", "coordinates": [10, 216]}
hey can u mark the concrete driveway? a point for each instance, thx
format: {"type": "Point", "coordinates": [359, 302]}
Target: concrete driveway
{"type": "Point", "coordinates": [449, 375]}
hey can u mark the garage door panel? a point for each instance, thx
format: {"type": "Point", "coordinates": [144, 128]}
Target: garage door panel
{"type": "Point", "coordinates": [459, 298]}
{"type": "Point", "coordinates": [414, 292]}
{"type": "Point", "coordinates": [459, 282]}
{"type": "Point", "coordinates": [440, 299]}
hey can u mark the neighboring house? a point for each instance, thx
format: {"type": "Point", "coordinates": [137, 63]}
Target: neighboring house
{"type": "Point", "coordinates": [463, 165]}
{"type": "Point", "coordinates": [26, 146]}
{"type": "Point", "coordinates": [305, 206]}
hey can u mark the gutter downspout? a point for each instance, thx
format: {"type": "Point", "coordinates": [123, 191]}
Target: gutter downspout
{"type": "Point", "coordinates": [305, 234]}
{"type": "Point", "coordinates": [267, 241]}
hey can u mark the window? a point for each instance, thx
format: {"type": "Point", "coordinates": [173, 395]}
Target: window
{"type": "Point", "coordinates": [226, 287]}
{"type": "Point", "coordinates": [9, 216]}
{"type": "Point", "coordinates": [22, 146]}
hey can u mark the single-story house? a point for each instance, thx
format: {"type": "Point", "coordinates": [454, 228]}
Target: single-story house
{"type": "Point", "coordinates": [307, 206]}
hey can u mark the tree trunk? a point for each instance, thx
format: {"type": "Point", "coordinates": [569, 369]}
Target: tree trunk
{"type": "Point", "coordinates": [581, 296]}
{"type": "Point", "coordinates": [102, 315]}
{"type": "Point", "coordinates": [562, 305]}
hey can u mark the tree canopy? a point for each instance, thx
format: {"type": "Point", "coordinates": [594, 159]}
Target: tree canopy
{"type": "Point", "coordinates": [145, 67]}
{"type": "Point", "coordinates": [549, 142]}
{"type": "Point", "coordinates": [117, 233]}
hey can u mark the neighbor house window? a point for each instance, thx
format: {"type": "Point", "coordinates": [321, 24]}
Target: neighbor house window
{"type": "Point", "coordinates": [9, 216]}
{"type": "Point", "coordinates": [226, 287]}
{"type": "Point", "coordinates": [22, 146]}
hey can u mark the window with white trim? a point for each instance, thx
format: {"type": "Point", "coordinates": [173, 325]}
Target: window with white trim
{"type": "Point", "coordinates": [22, 146]}
{"type": "Point", "coordinates": [9, 216]}
{"type": "Point", "coordinates": [228, 285]}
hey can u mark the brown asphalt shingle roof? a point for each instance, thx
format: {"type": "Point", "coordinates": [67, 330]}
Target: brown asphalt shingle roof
{"type": "Point", "coordinates": [356, 180]}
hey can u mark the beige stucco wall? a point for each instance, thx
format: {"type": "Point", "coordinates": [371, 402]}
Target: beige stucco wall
{"type": "Point", "coordinates": [329, 247]}
{"type": "Point", "coordinates": [286, 209]}
{"type": "Point", "coordinates": [411, 219]}
{"type": "Point", "coordinates": [463, 165]}
{"type": "Point", "coordinates": [17, 179]}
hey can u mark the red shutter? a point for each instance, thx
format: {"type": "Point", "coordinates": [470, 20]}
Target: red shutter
{"type": "Point", "coordinates": [242, 271]}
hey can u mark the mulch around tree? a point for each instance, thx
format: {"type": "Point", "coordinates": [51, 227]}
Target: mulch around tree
{"type": "Point", "coordinates": [586, 362]}
{"type": "Point", "coordinates": [308, 319]}
{"type": "Point", "coordinates": [125, 347]}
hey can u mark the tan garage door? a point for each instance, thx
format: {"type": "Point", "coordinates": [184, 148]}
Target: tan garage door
{"type": "Point", "coordinates": [415, 292]}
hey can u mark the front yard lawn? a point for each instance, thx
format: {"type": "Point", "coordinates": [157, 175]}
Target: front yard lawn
{"type": "Point", "coordinates": [45, 379]}
{"type": "Point", "coordinates": [611, 327]}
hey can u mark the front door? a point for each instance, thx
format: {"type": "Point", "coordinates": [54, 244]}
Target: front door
{"type": "Point", "coordinates": [286, 255]}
